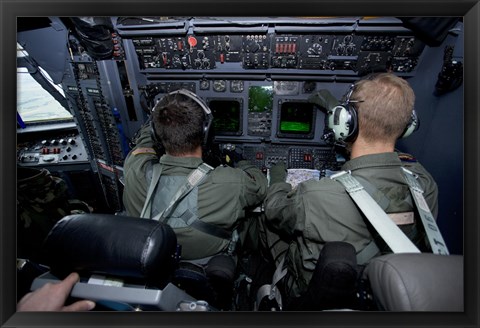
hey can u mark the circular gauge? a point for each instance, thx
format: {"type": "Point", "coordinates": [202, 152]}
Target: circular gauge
{"type": "Point", "coordinates": [204, 85]}
{"type": "Point", "coordinates": [309, 86]}
{"type": "Point", "coordinates": [236, 86]}
{"type": "Point", "coordinates": [315, 49]}
{"type": "Point", "coordinates": [219, 85]}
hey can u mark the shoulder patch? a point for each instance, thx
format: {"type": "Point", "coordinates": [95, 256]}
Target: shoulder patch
{"type": "Point", "coordinates": [406, 157]}
{"type": "Point", "coordinates": [144, 150]}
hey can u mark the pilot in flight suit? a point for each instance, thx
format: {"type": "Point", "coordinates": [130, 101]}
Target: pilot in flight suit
{"type": "Point", "coordinates": [320, 211]}
{"type": "Point", "coordinates": [221, 199]}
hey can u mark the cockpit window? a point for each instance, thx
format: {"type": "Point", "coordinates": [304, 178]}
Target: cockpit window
{"type": "Point", "coordinates": [34, 103]}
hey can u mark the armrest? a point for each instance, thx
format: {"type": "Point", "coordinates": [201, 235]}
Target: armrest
{"type": "Point", "coordinates": [128, 298]}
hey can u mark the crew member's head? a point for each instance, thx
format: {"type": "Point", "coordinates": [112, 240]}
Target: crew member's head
{"type": "Point", "coordinates": [179, 124]}
{"type": "Point", "coordinates": [384, 104]}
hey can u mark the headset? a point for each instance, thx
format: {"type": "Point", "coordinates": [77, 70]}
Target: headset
{"type": "Point", "coordinates": [207, 123]}
{"type": "Point", "coordinates": [342, 121]}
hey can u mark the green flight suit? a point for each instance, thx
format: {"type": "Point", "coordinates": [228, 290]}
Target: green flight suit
{"type": "Point", "coordinates": [223, 197]}
{"type": "Point", "coordinates": [319, 211]}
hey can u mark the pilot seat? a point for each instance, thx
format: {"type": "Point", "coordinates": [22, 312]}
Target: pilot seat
{"type": "Point", "coordinates": [391, 282]}
{"type": "Point", "coordinates": [124, 263]}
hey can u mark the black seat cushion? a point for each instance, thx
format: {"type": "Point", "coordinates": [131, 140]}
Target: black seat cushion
{"type": "Point", "coordinates": [111, 244]}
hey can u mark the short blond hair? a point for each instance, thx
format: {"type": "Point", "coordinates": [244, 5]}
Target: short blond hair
{"type": "Point", "coordinates": [385, 106]}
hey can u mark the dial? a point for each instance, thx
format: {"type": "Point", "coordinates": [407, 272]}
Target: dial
{"type": "Point", "coordinates": [309, 86]}
{"type": "Point", "coordinates": [204, 85]}
{"type": "Point", "coordinates": [252, 46]}
{"type": "Point", "coordinates": [315, 49]}
{"type": "Point", "coordinates": [348, 39]}
{"type": "Point", "coordinates": [236, 86]}
{"type": "Point", "coordinates": [219, 85]}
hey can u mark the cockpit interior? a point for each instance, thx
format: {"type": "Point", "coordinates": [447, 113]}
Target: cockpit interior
{"type": "Point", "coordinates": [87, 85]}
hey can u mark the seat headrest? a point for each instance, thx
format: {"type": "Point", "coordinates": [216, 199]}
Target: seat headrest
{"type": "Point", "coordinates": [417, 282]}
{"type": "Point", "coordinates": [110, 244]}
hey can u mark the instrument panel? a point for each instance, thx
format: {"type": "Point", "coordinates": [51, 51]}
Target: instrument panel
{"type": "Point", "coordinates": [354, 52]}
{"type": "Point", "coordinates": [51, 148]}
{"type": "Point", "coordinates": [256, 74]}
{"type": "Point", "coordinates": [267, 122]}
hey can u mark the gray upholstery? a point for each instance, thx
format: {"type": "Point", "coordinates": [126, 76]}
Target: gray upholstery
{"type": "Point", "coordinates": [417, 282]}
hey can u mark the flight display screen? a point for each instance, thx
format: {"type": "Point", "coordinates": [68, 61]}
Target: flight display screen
{"type": "Point", "coordinates": [227, 116]}
{"type": "Point", "coordinates": [296, 120]}
{"type": "Point", "coordinates": [260, 98]}
{"type": "Point", "coordinates": [260, 106]}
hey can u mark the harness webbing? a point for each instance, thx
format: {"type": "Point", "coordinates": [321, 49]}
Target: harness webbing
{"type": "Point", "coordinates": [433, 233]}
{"type": "Point", "coordinates": [388, 230]}
{"type": "Point", "coordinates": [193, 180]}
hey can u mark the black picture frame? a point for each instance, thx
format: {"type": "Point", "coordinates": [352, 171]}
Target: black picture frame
{"type": "Point", "coordinates": [470, 10]}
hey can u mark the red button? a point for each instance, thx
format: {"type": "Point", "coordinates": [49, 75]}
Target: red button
{"type": "Point", "coordinates": [192, 41]}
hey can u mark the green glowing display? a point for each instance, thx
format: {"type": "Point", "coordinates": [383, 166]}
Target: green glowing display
{"type": "Point", "coordinates": [260, 99]}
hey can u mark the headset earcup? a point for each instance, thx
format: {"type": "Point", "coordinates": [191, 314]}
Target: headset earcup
{"type": "Point", "coordinates": [343, 121]}
{"type": "Point", "coordinates": [154, 134]}
{"type": "Point", "coordinates": [207, 131]}
{"type": "Point", "coordinates": [412, 125]}
{"type": "Point", "coordinates": [353, 124]}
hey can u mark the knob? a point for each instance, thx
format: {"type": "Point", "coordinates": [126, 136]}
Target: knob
{"type": "Point", "coordinates": [71, 141]}
{"type": "Point", "coordinates": [350, 49]}
{"type": "Point", "coordinates": [253, 46]}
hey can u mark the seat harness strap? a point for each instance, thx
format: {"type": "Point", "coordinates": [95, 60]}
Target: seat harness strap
{"type": "Point", "coordinates": [147, 206]}
{"type": "Point", "coordinates": [433, 233]}
{"type": "Point", "coordinates": [193, 180]}
{"type": "Point", "coordinates": [271, 290]}
{"type": "Point", "coordinates": [388, 230]}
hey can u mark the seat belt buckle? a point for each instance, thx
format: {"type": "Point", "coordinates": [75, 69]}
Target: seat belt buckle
{"type": "Point", "coordinates": [350, 183]}
{"type": "Point", "coordinates": [339, 174]}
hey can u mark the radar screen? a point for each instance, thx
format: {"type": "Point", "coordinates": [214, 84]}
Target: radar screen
{"type": "Point", "coordinates": [227, 116]}
{"type": "Point", "coordinates": [296, 120]}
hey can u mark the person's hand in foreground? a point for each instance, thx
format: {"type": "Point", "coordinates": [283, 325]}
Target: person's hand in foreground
{"type": "Point", "coordinates": [52, 297]}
